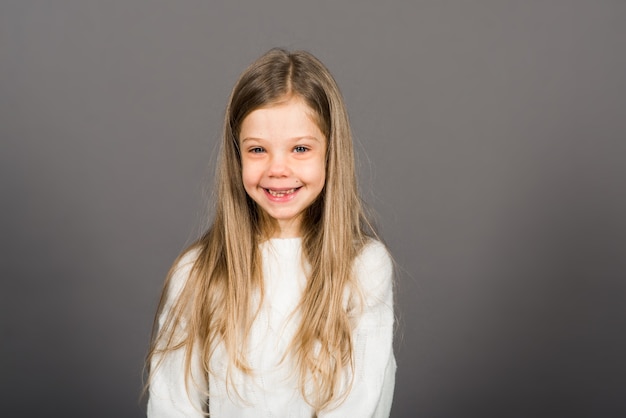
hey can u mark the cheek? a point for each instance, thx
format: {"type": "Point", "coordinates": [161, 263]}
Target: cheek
{"type": "Point", "coordinates": [320, 172]}
{"type": "Point", "coordinates": [248, 168]}
{"type": "Point", "coordinates": [321, 175]}
{"type": "Point", "coordinates": [314, 174]}
{"type": "Point", "coordinates": [249, 176]}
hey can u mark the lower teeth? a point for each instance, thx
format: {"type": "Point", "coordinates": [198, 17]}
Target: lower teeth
{"type": "Point", "coordinates": [280, 194]}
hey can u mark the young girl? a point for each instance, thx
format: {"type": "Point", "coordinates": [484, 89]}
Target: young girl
{"type": "Point", "coordinates": [284, 307]}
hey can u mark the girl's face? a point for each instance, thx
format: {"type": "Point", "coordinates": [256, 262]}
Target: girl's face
{"type": "Point", "coordinates": [283, 154]}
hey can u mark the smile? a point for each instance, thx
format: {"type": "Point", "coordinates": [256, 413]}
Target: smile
{"type": "Point", "coordinates": [281, 192]}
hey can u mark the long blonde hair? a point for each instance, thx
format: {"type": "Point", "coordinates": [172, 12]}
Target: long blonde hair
{"type": "Point", "coordinates": [216, 303]}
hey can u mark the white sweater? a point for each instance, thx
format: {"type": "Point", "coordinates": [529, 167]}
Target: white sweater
{"type": "Point", "coordinates": [272, 391]}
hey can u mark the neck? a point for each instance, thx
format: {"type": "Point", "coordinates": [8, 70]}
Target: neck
{"type": "Point", "coordinates": [287, 229]}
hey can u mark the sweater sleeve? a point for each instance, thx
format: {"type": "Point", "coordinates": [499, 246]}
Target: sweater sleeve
{"type": "Point", "coordinates": [169, 395]}
{"type": "Point", "coordinates": [374, 363]}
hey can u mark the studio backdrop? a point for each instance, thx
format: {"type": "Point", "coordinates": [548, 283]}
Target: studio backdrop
{"type": "Point", "coordinates": [491, 139]}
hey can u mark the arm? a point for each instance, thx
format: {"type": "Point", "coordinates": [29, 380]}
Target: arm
{"type": "Point", "coordinates": [374, 364]}
{"type": "Point", "coordinates": [168, 397]}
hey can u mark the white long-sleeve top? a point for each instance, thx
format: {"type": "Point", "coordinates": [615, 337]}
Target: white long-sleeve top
{"type": "Point", "coordinates": [272, 390]}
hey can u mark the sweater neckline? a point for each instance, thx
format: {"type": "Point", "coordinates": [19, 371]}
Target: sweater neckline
{"type": "Point", "coordinates": [283, 244]}
{"type": "Point", "coordinates": [294, 239]}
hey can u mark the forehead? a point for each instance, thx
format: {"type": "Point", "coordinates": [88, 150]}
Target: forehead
{"type": "Point", "coordinates": [289, 119]}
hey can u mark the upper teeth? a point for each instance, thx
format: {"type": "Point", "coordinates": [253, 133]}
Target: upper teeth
{"type": "Point", "coordinates": [280, 193]}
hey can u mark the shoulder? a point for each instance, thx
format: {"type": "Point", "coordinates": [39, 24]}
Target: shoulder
{"type": "Point", "coordinates": [180, 271]}
{"type": "Point", "coordinates": [373, 257]}
{"type": "Point", "coordinates": [187, 259]}
{"type": "Point", "coordinates": [373, 268]}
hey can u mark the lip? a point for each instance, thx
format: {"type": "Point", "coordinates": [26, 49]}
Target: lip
{"type": "Point", "coordinates": [281, 194]}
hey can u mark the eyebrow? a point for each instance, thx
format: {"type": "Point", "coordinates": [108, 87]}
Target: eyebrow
{"type": "Point", "coordinates": [295, 139]}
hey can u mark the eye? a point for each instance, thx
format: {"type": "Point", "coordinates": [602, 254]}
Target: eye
{"type": "Point", "coordinates": [300, 148]}
{"type": "Point", "coordinates": [256, 150]}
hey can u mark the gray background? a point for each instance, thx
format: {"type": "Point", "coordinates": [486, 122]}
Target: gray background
{"type": "Point", "coordinates": [491, 140]}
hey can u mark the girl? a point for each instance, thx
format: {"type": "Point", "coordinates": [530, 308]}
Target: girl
{"type": "Point", "coordinates": [284, 307]}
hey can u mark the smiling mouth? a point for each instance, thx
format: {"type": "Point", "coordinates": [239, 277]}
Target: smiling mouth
{"type": "Point", "coordinates": [282, 192]}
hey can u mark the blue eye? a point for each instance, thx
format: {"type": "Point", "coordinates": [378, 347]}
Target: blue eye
{"type": "Point", "coordinates": [300, 148]}
{"type": "Point", "coordinates": [256, 150]}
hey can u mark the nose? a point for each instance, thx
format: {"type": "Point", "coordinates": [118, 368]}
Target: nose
{"type": "Point", "coordinates": [278, 166]}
